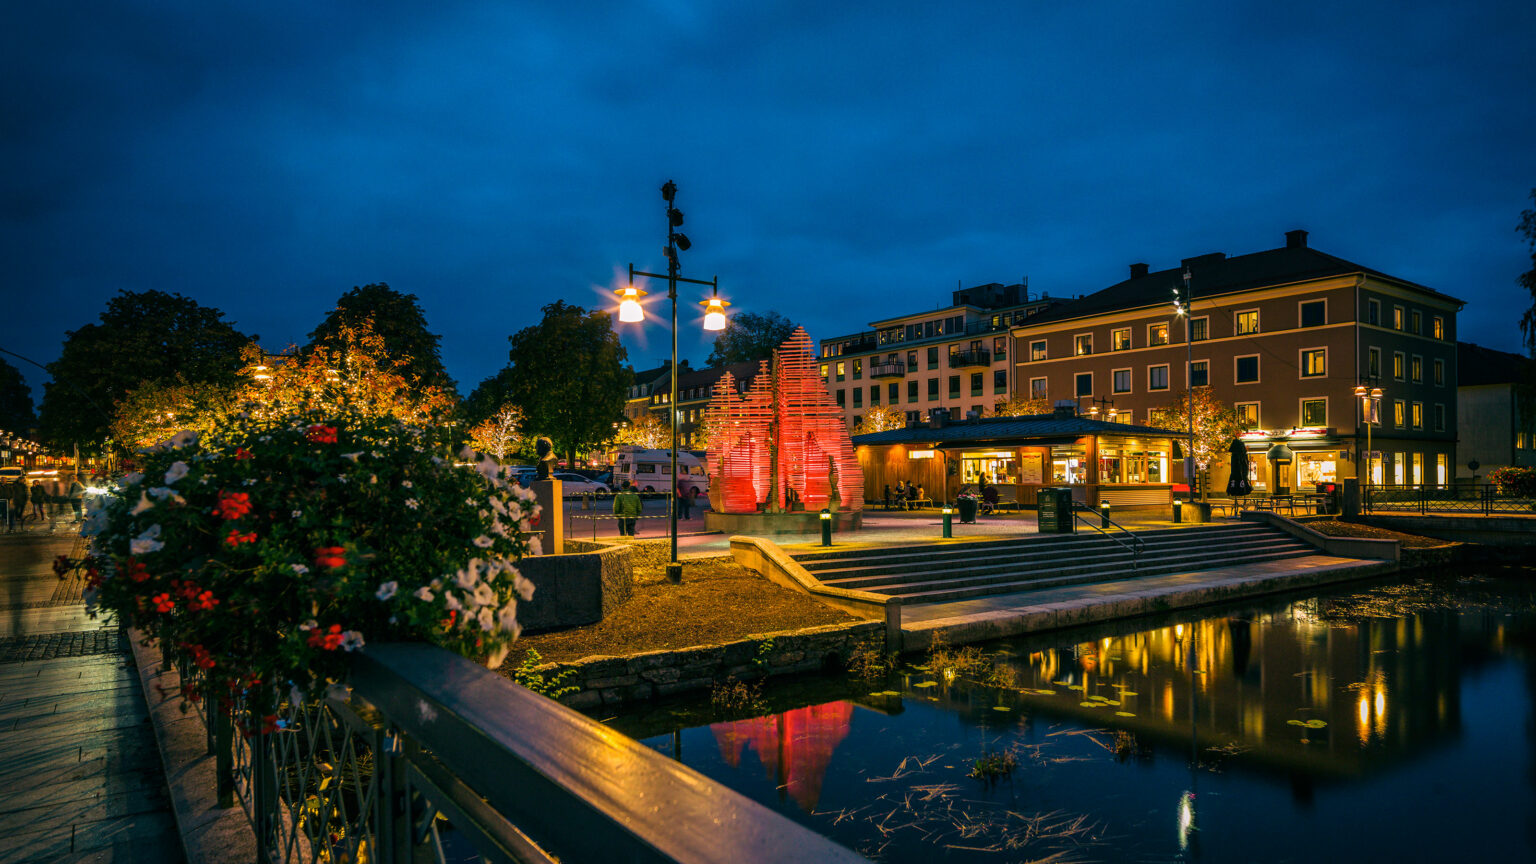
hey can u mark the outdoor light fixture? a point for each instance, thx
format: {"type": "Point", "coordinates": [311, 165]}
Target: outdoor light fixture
{"type": "Point", "coordinates": [1103, 514]}
{"type": "Point", "coordinates": [1178, 510]}
{"type": "Point", "coordinates": [826, 527]}
{"type": "Point", "coordinates": [630, 312]}
{"type": "Point", "coordinates": [949, 512]}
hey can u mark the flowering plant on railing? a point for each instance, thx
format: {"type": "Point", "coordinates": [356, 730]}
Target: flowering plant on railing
{"type": "Point", "coordinates": [1516, 481]}
{"type": "Point", "coordinates": [263, 552]}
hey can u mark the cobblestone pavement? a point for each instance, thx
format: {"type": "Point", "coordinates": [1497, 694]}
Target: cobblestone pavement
{"type": "Point", "coordinates": [80, 772]}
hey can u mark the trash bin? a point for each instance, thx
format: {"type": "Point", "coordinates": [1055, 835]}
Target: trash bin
{"type": "Point", "coordinates": [1053, 511]}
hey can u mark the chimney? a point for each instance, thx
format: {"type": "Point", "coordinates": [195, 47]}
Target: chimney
{"type": "Point", "coordinates": [1138, 270]}
{"type": "Point", "coordinates": [1296, 239]}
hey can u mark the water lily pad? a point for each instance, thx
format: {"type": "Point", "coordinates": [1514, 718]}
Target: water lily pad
{"type": "Point", "coordinates": [1111, 701]}
{"type": "Point", "coordinates": [1035, 691]}
{"type": "Point", "coordinates": [1316, 724]}
{"type": "Point", "coordinates": [926, 684]}
{"type": "Point", "coordinates": [921, 668]}
{"type": "Point", "coordinates": [1091, 704]}
{"type": "Point", "coordinates": [1077, 687]}
{"type": "Point", "coordinates": [1124, 714]}
{"type": "Point", "coordinates": [1001, 708]}
{"type": "Point", "coordinates": [889, 693]}
{"type": "Point", "coordinates": [1061, 683]}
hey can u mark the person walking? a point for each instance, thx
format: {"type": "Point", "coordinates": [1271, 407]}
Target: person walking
{"type": "Point", "coordinates": [627, 507]}
{"type": "Point", "coordinates": [887, 496]}
{"type": "Point", "coordinates": [76, 495]}
{"type": "Point", "coordinates": [16, 498]}
{"type": "Point", "coordinates": [39, 498]}
{"type": "Point", "coordinates": [684, 504]}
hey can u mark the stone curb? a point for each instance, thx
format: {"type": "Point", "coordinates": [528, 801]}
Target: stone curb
{"type": "Point", "coordinates": [209, 834]}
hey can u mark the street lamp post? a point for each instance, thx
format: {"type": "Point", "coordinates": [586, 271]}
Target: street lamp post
{"type": "Point", "coordinates": [1370, 405]}
{"type": "Point", "coordinates": [714, 319]}
{"type": "Point", "coordinates": [1183, 306]}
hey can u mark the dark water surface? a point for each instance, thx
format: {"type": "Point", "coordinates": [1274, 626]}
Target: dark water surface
{"type": "Point", "coordinates": [1419, 696]}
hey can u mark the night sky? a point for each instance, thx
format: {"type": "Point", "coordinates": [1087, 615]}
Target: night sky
{"type": "Point", "coordinates": [837, 162]}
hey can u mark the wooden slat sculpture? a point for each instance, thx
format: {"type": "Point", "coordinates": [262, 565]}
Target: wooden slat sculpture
{"type": "Point", "coordinates": [783, 443]}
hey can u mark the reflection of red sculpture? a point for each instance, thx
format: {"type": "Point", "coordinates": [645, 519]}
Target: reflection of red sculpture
{"type": "Point", "coordinates": [795, 747]}
{"type": "Point", "coordinates": [784, 441]}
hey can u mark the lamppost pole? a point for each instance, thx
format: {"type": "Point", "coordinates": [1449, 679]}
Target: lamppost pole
{"type": "Point", "coordinates": [1189, 377]}
{"type": "Point", "coordinates": [714, 319]}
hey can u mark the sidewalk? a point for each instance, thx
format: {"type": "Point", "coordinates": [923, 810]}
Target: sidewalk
{"type": "Point", "coordinates": [80, 773]}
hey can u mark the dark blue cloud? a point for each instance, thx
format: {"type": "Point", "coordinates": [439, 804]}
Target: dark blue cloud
{"type": "Point", "coordinates": [838, 162]}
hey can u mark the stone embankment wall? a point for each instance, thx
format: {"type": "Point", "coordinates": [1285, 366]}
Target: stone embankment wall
{"type": "Point", "coordinates": [575, 589]}
{"type": "Point", "coordinates": [609, 681]}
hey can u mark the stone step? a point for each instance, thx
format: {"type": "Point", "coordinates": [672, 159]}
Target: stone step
{"type": "Point", "coordinates": [1018, 565]}
{"type": "Point", "coordinates": [948, 590]}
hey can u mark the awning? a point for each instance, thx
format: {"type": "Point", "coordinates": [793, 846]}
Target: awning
{"type": "Point", "coordinates": [1280, 453]}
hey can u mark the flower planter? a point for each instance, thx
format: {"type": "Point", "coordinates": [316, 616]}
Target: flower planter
{"type": "Point", "coordinates": [967, 507]}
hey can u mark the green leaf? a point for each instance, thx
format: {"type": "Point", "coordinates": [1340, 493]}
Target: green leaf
{"type": "Point", "coordinates": [889, 693]}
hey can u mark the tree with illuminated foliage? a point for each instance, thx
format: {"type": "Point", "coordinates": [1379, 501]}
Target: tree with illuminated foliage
{"type": "Point", "coordinates": [498, 433]}
{"type": "Point", "coordinates": [882, 418]}
{"type": "Point", "coordinates": [1216, 423]}
{"type": "Point", "coordinates": [1018, 406]}
{"type": "Point", "coordinates": [156, 410]}
{"type": "Point", "coordinates": [648, 430]}
{"type": "Point", "coordinates": [353, 369]}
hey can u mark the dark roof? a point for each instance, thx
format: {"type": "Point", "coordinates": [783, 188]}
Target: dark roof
{"type": "Point", "coordinates": [1009, 429]}
{"type": "Point", "coordinates": [688, 379]}
{"type": "Point", "coordinates": [1216, 274]}
{"type": "Point", "coordinates": [1476, 366]}
{"type": "Point", "coordinates": [646, 376]}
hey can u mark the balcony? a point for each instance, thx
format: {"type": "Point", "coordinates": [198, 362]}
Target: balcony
{"type": "Point", "coordinates": [892, 369]}
{"type": "Point", "coordinates": [975, 357]}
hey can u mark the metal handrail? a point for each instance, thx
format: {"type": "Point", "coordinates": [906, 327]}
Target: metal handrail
{"type": "Point", "coordinates": [1135, 547]}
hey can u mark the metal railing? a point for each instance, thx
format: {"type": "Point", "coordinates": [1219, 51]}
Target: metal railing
{"type": "Point", "coordinates": [1134, 544]}
{"type": "Point", "coordinates": [430, 757]}
{"type": "Point", "coordinates": [892, 369]}
{"type": "Point", "coordinates": [973, 357]}
{"type": "Point", "coordinates": [1481, 499]}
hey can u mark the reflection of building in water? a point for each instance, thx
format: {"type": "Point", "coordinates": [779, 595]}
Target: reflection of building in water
{"type": "Point", "coordinates": [1385, 687]}
{"type": "Point", "coordinates": [795, 747]}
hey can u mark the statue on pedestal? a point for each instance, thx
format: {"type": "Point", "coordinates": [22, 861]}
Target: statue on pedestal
{"type": "Point", "coordinates": [545, 449]}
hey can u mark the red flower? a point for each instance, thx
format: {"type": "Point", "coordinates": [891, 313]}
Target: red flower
{"type": "Point", "coordinates": [137, 571]}
{"type": "Point", "coordinates": [233, 505]}
{"type": "Point", "coordinates": [319, 434]}
{"type": "Point", "coordinates": [200, 656]}
{"type": "Point", "coordinates": [328, 640]}
{"type": "Point", "coordinates": [205, 601]}
{"type": "Point", "coordinates": [93, 578]}
{"type": "Point", "coordinates": [331, 557]}
{"type": "Point", "coordinates": [242, 454]}
{"type": "Point", "coordinates": [163, 603]}
{"type": "Point", "coordinates": [235, 538]}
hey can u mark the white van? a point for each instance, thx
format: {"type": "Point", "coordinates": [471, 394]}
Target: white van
{"type": "Point", "coordinates": [651, 470]}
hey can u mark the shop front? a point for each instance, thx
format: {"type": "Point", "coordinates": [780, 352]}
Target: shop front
{"type": "Point", "coordinates": [1295, 460]}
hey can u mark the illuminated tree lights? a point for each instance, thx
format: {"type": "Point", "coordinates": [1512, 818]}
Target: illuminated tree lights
{"type": "Point", "coordinates": [782, 444]}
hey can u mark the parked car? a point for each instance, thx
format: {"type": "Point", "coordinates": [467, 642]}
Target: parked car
{"type": "Point", "coordinates": [575, 484]}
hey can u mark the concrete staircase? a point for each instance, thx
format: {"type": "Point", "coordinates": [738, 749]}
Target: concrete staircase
{"type": "Point", "coordinates": [935, 573]}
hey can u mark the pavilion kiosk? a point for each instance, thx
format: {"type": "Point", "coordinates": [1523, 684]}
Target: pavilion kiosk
{"type": "Point", "coordinates": [1095, 460]}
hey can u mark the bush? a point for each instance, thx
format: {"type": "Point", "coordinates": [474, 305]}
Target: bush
{"type": "Point", "coordinates": [1519, 482]}
{"type": "Point", "coordinates": [264, 552]}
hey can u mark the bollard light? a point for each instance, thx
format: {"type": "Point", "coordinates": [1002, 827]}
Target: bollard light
{"type": "Point", "coordinates": [1178, 510]}
{"type": "Point", "coordinates": [826, 527]}
{"type": "Point", "coordinates": [948, 525]}
{"type": "Point", "coordinates": [1103, 514]}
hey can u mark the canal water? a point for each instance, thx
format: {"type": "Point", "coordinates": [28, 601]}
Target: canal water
{"type": "Point", "coordinates": [1385, 722]}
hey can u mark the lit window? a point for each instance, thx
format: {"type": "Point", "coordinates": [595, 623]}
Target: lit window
{"type": "Point", "coordinates": [1157, 334]}
{"type": "Point", "coordinates": [1397, 317]}
{"type": "Point", "coordinates": [841, 369]}
{"type": "Point", "coordinates": [1314, 412]}
{"type": "Point", "coordinates": [1199, 329]}
{"type": "Point", "coordinates": [1314, 362]}
{"type": "Point", "coordinates": [1120, 340]}
{"type": "Point", "coordinates": [1037, 350]}
{"type": "Point", "coordinates": [1247, 322]}
{"type": "Point", "coordinates": [1416, 368]}
{"type": "Point", "coordinates": [858, 369]}
{"type": "Point", "coordinates": [1399, 412]}
{"type": "Point", "coordinates": [1247, 415]}
{"type": "Point", "coordinates": [1437, 325]}
{"type": "Point", "coordinates": [1418, 415]}
{"type": "Point", "coordinates": [1397, 365]}
{"type": "Point", "coordinates": [1082, 344]}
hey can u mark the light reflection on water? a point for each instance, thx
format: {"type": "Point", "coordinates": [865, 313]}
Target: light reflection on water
{"type": "Point", "coordinates": [1386, 723]}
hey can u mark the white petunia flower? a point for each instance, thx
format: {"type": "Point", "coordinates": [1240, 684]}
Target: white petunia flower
{"type": "Point", "coordinates": [424, 594]}
{"type": "Point", "coordinates": [387, 590]}
{"type": "Point", "coordinates": [466, 579]}
{"type": "Point", "coordinates": [132, 478]}
{"type": "Point", "coordinates": [498, 656]}
{"type": "Point", "coordinates": [471, 502]}
{"type": "Point", "coordinates": [452, 601]}
{"type": "Point", "coordinates": [486, 618]}
{"type": "Point", "coordinates": [497, 505]}
{"type": "Point", "coordinates": [162, 492]}
{"type": "Point", "coordinates": [295, 696]}
{"type": "Point", "coordinates": [466, 453]}
{"type": "Point", "coordinates": [507, 618]}
{"type": "Point", "coordinates": [351, 640]}
{"type": "Point", "coordinates": [483, 541]}
{"type": "Point", "coordinates": [535, 547]}
{"type": "Point", "coordinates": [184, 438]}
{"type": "Point", "coordinates": [178, 470]}
{"type": "Point", "coordinates": [298, 568]}
{"type": "Point", "coordinates": [522, 586]}
{"type": "Point", "coordinates": [485, 595]}
{"type": "Point", "coordinates": [352, 456]}
{"type": "Point", "coordinates": [412, 503]}
{"type": "Point", "coordinates": [405, 484]}
{"type": "Point", "coordinates": [147, 542]}
{"type": "Point", "coordinates": [297, 514]}
{"type": "Point", "coordinates": [144, 504]}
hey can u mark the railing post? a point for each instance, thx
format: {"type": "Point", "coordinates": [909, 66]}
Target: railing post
{"type": "Point", "coordinates": [264, 815]}
{"type": "Point", "coordinates": [222, 728]}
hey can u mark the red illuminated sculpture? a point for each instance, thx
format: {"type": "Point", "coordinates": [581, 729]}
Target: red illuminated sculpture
{"type": "Point", "coordinates": [783, 443]}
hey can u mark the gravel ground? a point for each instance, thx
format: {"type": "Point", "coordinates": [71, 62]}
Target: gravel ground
{"type": "Point", "coordinates": [718, 601]}
{"type": "Point", "coordinates": [1334, 528]}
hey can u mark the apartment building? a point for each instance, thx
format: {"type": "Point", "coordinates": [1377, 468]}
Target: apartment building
{"type": "Point", "coordinates": [1285, 336]}
{"type": "Point", "coordinates": [953, 359]}
{"type": "Point", "coordinates": [694, 388]}
{"type": "Point", "coordinates": [1493, 431]}
{"type": "Point", "coordinates": [638, 399]}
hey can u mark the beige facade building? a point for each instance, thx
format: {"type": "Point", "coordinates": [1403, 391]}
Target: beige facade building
{"type": "Point", "coordinates": [1285, 336]}
{"type": "Point", "coordinates": [953, 359]}
{"type": "Point", "coordinates": [1493, 431]}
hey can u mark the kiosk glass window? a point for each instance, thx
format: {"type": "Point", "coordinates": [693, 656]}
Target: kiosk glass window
{"type": "Point", "coordinates": [995, 467]}
{"type": "Point", "coordinates": [1131, 464]}
{"type": "Point", "coordinates": [1316, 468]}
{"type": "Point", "coordinates": [1069, 464]}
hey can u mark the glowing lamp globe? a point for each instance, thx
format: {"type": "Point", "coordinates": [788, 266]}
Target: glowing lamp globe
{"type": "Point", "coordinates": [630, 310]}
{"type": "Point", "coordinates": [714, 313]}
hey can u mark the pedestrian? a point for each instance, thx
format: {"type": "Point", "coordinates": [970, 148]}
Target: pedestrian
{"type": "Point", "coordinates": [76, 495]}
{"type": "Point", "coordinates": [887, 496]}
{"type": "Point", "coordinates": [627, 507]}
{"type": "Point", "coordinates": [684, 503]}
{"type": "Point", "coordinates": [16, 500]}
{"type": "Point", "coordinates": [919, 496]}
{"type": "Point", "coordinates": [901, 494]}
{"type": "Point", "coordinates": [39, 498]}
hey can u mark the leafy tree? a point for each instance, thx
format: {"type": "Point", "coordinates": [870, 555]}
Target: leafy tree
{"type": "Point", "coordinates": [1527, 227]}
{"type": "Point", "coordinates": [487, 398]}
{"type": "Point", "coordinates": [649, 430]}
{"type": "Point", "coordinates": [1018, 406]}
{"type": "Point", "coordinates": [15, 400]}
{"type": "Point", "coordinates": [568, 376]}
{"type": "Point", "coordinates": [144, 336]}
{"type": "Point", "coordinates": [354, 370]}
{"type": "Point", "coordinates": [1216, 423]}
{"type": "Point", "coordinates": [397, 319]}
{"type": "Point", "coordinates": [880, 418]}
{"type": "Point", "coordinates": [156, 410]}
{"type": "Point", "coordinates": [498, 433]}
{"type": "Point", "coordinates": [748, 337]}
